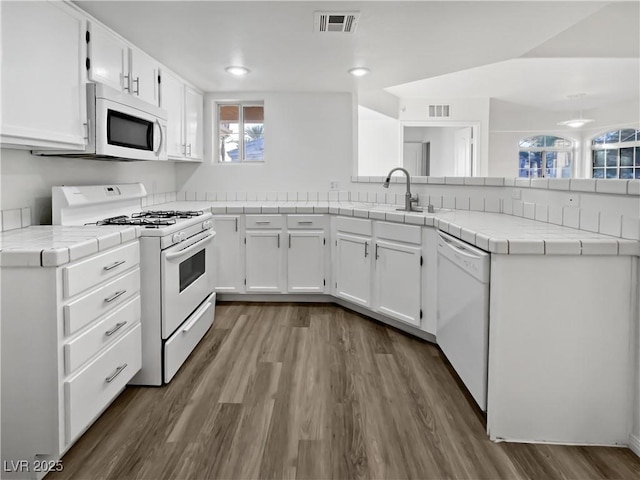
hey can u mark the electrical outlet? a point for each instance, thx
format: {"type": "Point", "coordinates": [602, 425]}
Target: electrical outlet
{"type": "Point", "coordinates": [516, 194]}
{"type": "Point", "coordinates": [572, 200]}
{"type": "Point", "coordinates": [333, 185]}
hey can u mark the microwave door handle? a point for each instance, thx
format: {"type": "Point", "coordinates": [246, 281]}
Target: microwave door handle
{"type": "Point", "coordinates": [191, 248]}
{"type": "Point", "coordinates": [157, 152]}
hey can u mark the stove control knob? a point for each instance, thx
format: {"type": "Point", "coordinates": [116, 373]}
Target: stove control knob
{"type": "Point", "coordinates": [179, 237]}
{"type": "Point", "coordinates": [206, 225]}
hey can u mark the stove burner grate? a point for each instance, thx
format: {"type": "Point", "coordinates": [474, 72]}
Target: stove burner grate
{"type": "Point", "coordinates": [142, 222]}
{"type": "Point", "coordinates": [168, 214]}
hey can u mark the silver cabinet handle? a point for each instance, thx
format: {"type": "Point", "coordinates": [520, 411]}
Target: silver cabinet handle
{"type": "Point", "coordinates": [114, 265]}
{"type": "Point", "coordinates": [189, 145]}
{"type": "Point", "coordinates": [305, 223]}
{"type": "Point", "coordinates": [236, 224]}
{"type": "Point", "coordinates": [366, 249]}
{"type": "Point", "coordinates": [289, 240]}
{"type": "Point", "coordinates": [116, 373]}
{"type": "Point", "coordinates": [118, 326]}
{"type": "Point", "coordinates": [377, 256]}
{"type": "Point", "coordinates": [278, 240]}
{"type": "Point", "coordinates": [263, 222]}
{"type": "Point", "coordinates": [115, 295]}
{"type": "Point", "coordinates": [137, 82]}
{"type": "Point", "coordinates": [127, 83]}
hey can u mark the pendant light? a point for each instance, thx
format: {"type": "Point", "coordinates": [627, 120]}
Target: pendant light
{"type": "Point", "coordinates": [576, 121]}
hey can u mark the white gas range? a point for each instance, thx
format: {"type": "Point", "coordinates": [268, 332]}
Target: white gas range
{"type": "Point", "coordinates": [177, 267]}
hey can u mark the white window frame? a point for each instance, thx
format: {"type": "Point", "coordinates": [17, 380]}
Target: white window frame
{"type": "Point", "coordinates": [216, 119]}
{"type": "Point", "coordinates": [612, 146]}
{"type": "Point", "coordinates": [571, 149]}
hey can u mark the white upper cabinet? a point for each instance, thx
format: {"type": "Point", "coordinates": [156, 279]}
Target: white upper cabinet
{"type": "Point", "coordinates": [144, 77]}
{"type": "Point", "coordinates": [193, 122]}
{"type": "Point", "coordinates": [184, 107]}
{"type": "Point", "coordinates": [113, 62]}
{"type": "Point", "coordinates": [172, 100]}
{"type": "Point", "coordinates": [43, 76]}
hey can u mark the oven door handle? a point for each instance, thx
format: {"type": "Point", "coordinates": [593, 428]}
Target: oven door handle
{"type": "Point", "coordinates": [191, 248]}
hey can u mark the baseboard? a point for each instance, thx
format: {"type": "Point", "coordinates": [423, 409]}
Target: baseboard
{"type": "Point", "coordinates": [634, 444]}
{"type": "Point", "coordinates": [323, 298]}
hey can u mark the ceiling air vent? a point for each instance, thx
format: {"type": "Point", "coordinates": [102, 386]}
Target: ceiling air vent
{"type": "Point", "coordinates": [344, 22]}
{"type": "Point", "coordinates": [439, 111]}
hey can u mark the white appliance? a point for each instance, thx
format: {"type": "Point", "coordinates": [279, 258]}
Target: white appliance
{"type": "Point", "coordinates": [463, 312]}
{"type": "Point", "coordinates": [120, 127]}
{"type": "Point", "coordinates": [177, 268]}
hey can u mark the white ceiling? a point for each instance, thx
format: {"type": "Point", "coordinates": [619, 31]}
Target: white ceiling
{"type": "Point", "coordinates": [401, 42]}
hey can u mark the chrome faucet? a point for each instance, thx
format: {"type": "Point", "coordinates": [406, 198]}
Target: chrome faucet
{"type": "Point", "coordinates": [409, 199]}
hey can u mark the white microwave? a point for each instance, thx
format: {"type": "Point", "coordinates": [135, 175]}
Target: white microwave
{"type": "Point", "coordinates": [120, 127]}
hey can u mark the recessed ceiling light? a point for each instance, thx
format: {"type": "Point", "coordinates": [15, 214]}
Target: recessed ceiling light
{"type": "Point", "coordinates": [237, 71]}
{"type": "Point", "coordinates": [359, 71]}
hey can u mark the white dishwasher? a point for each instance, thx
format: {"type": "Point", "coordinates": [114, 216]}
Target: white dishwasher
{"type": "Point", "coordinates": [463, 312]}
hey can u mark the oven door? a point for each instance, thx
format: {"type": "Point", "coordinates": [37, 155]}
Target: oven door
{"type": "Point", "coordinates": [188, 277]}
{"type": "Point", "coordinates": [126, 132]}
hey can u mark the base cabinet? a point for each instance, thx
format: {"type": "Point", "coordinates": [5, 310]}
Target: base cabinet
{"type": "Point", "coordinates": [353, 268]}
{"type": "Point", "coordinates": [229, 253]}
{"type": "Point", "coordinates": [306, 262]}
{"type": "Point", "coordinates": [264, 261]}
{"type": "Point", "coordinates": [397, 281]}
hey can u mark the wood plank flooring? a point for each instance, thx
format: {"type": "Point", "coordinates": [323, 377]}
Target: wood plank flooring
{"type": "Point", "coordinates": [300, 391]}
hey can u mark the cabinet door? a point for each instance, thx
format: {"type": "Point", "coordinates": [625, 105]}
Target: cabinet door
{"type": "Point", "coordinates": [397, 281]}
{"type": "Point", "coordinates": [144, 77]}
{"type": "Point", "coordinates": [193, 123]}
{"type": "Point", "coordinates": [172, 100]}
{"type": "Point", "coordinates": [109, 58]}
{"type": "Point", "coordinates": [305, 262]}
{"type": "Point", "coordinates": [353, 268]}
{"type": "Point", "coordinates": [229, 254]}
{"type": "Point", "coordinates": [264, 260]}
{"type": "Point", "coordinates": [43, 75]}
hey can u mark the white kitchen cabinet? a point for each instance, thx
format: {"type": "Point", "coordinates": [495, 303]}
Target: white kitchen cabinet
{"type": "Point", "coordinates": [113, 62]}
{"type": "Point", "coordinates": [43, 76]}
{"type": "Point", "coordinates": [144, 77]}
{"type": "Point", "coordinates": [229, 253]}
{"type": "Point", "coordinates": [353, 268]}
{"type": "Point", "coordinates": [264, 261]}
{"type": "Point", "coordinates": [184, 107]}
{"type": "Point", "coordinates": [397, 280]}
{"type": "Point", "coordinates": [194, 104]}
{"type": "Point", "coordinates": [306, 261]}
{"type": "Point", "coordinates": [108, 57]}
{"type": "Point", "coordinates": [63, 363]}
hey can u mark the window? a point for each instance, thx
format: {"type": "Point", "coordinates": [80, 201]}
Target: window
{"type": "Point", "coordinates": [545, 156]}
{"type": "Point", "coordinates": [240, 132]}
{"type": "Point", "coordinates": [616, 154]}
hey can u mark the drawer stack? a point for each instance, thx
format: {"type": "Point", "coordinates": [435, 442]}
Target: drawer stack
{"type": "Point", "coordinates": [102, 340]}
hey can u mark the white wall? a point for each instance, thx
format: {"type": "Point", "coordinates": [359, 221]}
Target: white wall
{"type": "Point", "coordinates": [27, 180]}
{"type": "Point", "coordinates": [509, 123]}
{"type": "Point", "coordinates": [378, 143]}
{"type": "Point", "coordinates": [309, 142]}
{"type": "Point", "coordinates": [442, 147]}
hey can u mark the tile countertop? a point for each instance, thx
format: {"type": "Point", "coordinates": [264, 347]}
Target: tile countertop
{"type": "Point", "coordinates": [492, 232]}
{"type": "Point", "coordinates": [53, 245]}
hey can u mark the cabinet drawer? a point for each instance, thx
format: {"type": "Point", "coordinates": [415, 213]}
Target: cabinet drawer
{"type": "Point", "coordinates": [306, 221]}
{"type": "Point", "coordinates": [86, 309]}
{"type": "Point", "coordinates": [263, 221]}
{"type": "Point", "coordinates": [83, 275]}
{"type": "Point", "coordinates": [103, 333]}
{"type": "Point", "coordinates": [399, 232]}
{"type": "Point", "coordinates": [354, 225]}
{"type": "Point", "coordinates": [184, 340]}
{"type": "Point", "coordinates": [94, 387]}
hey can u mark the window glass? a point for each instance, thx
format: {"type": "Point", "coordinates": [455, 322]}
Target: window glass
{"type": "Point", "coordinates": [627, 135]}
{"type": "Point", "coordinates": [618, 151]}
{"type": "Point", "coordinates": [612, 137]}
{"type": "Point", "coordinates": [598, 158]}
{"type": "Point", "coordinates": [611, 157]}
{"type": "Point", "coordinates": [241, 133]}
{"type": "Point", "coordinates": [626, 157]}
{"type": "Point", "coordinates": [545, 156]}
{"type": "Point", "coordinates": [598, 173]}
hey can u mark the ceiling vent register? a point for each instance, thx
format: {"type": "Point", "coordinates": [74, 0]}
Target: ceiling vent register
{"type": "Point", "coordinates": [343, 22]}
{"type": "Point", "coordinates": [439, 111]}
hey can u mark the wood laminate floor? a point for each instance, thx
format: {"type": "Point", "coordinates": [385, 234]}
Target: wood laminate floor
{"type": "Point", "coordinates": [299, 391]}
